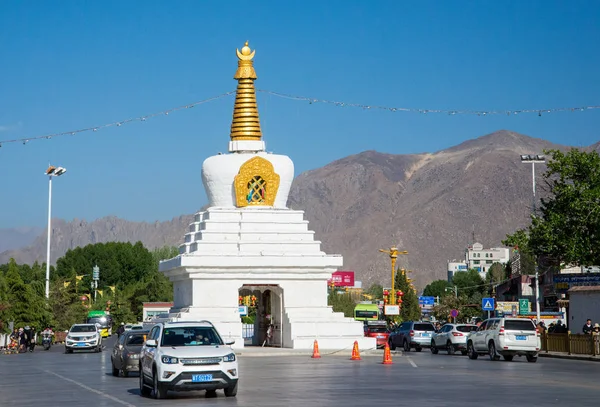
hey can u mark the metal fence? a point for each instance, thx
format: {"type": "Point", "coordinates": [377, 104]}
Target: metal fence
{"type": "Point", "coordinates": [576, 344]}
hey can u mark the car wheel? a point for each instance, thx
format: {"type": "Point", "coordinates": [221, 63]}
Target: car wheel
{"type": "Point", "coordinates": [144, 390]}
{"type": "Point", "coordinates": [508, 358]}
{"type": "Point", "coordinates": [231, 391]}
{"type": "Point", "coordinates": [531, 358]}
{"type": "Point", "coordinates": [434, 350]}
{"type": "Point", "coordinates": [406, 346]}
{"type": "Point", "coordinates": [418, 348]}
{"type": "Point", "coordinates": [492, 352]}
{"type": "Point", "coordinates": [115, 371]}
{"type": "Point", "coordinates": [464, 352]}
{"type": "Point", "coordinates": [67, 350]}
{"type": "Point", "coordinates": [211, 393]}
{"type": "Point", "coordinates": [159, 389]}
{"type": "Point", "coordinates": [450, 348]}
{"type": "Point", "coordinates": [392, 346]}
{"type": "Point", "coordinates": [125, 373]}
{"type": "Point", "coordinates": [471, 351]}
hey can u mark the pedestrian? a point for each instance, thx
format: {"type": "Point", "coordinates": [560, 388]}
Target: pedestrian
{"type": "Point", "coordinates": [22, 340]}
{"type": "Point", "coordinates": [596, 329]}
{"type": "Point", "coordinates": [121, 329]}
{"type": "Point", "coordinates": [587, 328]}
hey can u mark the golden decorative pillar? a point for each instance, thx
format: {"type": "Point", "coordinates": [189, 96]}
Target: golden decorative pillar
{"type": "Point", "coordinates": [393, 253]}
{"type": "Point", "coordinates": [245, 124]}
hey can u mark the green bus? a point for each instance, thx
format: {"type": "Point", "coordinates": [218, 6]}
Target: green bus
{"type": "Point", "coordinates": [103, 319]}
{"type": "Point", "coordinates": [366, 312]}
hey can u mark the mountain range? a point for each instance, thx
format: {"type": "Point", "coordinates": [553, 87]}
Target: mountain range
{"type": "Point", "coordinates": [432, 204]}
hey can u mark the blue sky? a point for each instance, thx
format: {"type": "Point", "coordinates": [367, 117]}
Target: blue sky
{"type": "Point", "coordinates": [73, 64]}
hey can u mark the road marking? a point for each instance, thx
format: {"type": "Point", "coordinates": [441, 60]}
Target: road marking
{"type": "Point", "coordinates": [108, 396]}
{"type": "Point", "coordinates": [411, 361]}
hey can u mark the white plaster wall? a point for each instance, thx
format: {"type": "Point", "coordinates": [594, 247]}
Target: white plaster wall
{"type": "Point", "coordinates": [219, 171]}
{"type": "Point", "coordinates": [583, 305]}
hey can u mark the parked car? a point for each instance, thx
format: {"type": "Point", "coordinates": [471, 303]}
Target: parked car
{"type": "Point", "coordinates": [505, 337]}
{"type": "Point", "coordinates": [412, 335]}
{"type": "Point", "coordinates": [377, 330]}
{"type": "Point", "coordinates": [83, 337]}
{"type": "Point", "coordinates": [187, 356]}
{"type": "Point", "coordinates": [452, 338]}
{"type": "Point", "coordinates": [125, 356]}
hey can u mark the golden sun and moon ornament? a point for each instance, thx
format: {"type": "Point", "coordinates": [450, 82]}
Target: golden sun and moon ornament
{"type": "Point", "coordinates": [256, 183]}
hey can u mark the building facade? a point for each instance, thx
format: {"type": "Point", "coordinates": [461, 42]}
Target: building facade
{"type": "Point", "coordinates": [480, 259]}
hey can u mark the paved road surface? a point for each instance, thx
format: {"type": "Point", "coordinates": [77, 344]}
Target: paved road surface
{"type": "Point", "coordinates": [56, 379]}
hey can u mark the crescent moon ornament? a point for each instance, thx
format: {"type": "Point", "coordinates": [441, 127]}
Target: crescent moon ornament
{"type": "Point", "coordinates": [243, 57]}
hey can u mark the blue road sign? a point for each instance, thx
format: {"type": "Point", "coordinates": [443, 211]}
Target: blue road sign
{"type": "Point", "coordinates": [426, 300]}
{"type": "Point", "coordinates": [488, 304]}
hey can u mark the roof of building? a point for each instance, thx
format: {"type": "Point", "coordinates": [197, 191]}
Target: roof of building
{"type": "Point", "coordinates": [157, 304]}
{"type": "Point", "coordinates": [584, 288]}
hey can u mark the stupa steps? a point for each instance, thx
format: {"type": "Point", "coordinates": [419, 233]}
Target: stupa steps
{"type": "Point", "coordinates": [298, 247]}
{"type": "Point", "coordinates": [253, 226]}
{"type": "Point", "coordinates": [251, 214]}
{"type": "Point", "coordinates": [210, 236]}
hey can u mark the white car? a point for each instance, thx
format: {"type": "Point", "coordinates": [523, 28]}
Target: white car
{"type": "Point", "coordinates": [505, 337]}
{"type": "Point", "coordinates": [182, 356]}
{"type": "Point", "coordinates": [83, 337]}
{"type": "Point", "coordinates": [452, 338]}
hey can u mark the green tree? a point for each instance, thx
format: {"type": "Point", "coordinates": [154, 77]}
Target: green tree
{"type": "Point", "coordinates": [27, 307]}
{"type": "Point", "coordinates": [342, 303]}
{"type": "Point", "coordinates": [376, 291]}
{"type": "Point", "coordinates": [519, 241]}
{"type": "Point", "coordinates": [436, 288]}
{"type": "Point", "coordinates": [496, 274]}
{"type": "Point", "coordinates": [410, 310]}
{"type": "Point", "coordinates": [470, 284]}
{"type": "Point", "coordinates": [568, 229]}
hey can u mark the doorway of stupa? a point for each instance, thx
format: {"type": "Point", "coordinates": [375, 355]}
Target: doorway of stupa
{"type": "Point", "coordinates": [262, 326]}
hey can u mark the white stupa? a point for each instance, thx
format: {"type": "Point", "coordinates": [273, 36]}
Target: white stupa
{"type": "Point", "coordinates": [249, 243]}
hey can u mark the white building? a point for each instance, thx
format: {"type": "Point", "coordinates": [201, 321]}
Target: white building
{"type": "Point", "coordinates": [249, 243]}
{"type": "Point", "coordinates": [480, 259]}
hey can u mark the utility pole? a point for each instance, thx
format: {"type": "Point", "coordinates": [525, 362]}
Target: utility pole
{"type": "Point", "coordinates": [393, 253]}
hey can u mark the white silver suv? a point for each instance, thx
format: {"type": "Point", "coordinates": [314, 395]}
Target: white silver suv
{"type": "Point", "coordinates": [505, 337]}
{"type": "Point", "coordinates": [183, 356]}
{"type": "Point", "coordinates": [83, 337]}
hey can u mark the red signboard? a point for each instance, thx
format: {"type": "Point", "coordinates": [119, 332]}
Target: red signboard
{"type": "Point", "coordinates": [342, 279]}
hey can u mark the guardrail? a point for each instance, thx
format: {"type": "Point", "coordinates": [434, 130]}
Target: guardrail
{"type": "Point", "coordinates": [576, 344]}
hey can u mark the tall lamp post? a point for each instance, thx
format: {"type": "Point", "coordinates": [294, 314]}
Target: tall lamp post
{"type": "Point", "coordinates": [533, 159]}
{"type": "Point", "coordinates": [393, 253]}
{"type": "Point", "coordinates": [51, 172]}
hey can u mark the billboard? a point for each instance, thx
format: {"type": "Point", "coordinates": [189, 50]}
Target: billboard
{"type": "Point", "coordinates": [342, 279]}
{"type": "Point", "coordinates": [562, 282]}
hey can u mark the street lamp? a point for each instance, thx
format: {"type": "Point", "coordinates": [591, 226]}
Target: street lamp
{"type": "Point", "coordinates": [533, 159]}
{"type": "Point", "coordinates": [393, 253]}
{"type": "Point", "coordinates": [51, 172]}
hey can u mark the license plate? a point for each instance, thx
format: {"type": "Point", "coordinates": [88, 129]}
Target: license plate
{"type": "Point", "coordinates": [426, 334]}
{"type": "Point", "coordinates": [198, 378]}
{"type": "Point", "coordinates": [521, 338]}
{"type": "Point", "coordinates": [380, 336]}
{"type": "Point", "coordinates": [80, 344]}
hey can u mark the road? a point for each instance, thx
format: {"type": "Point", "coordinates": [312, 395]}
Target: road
{"type": "Point", "coordinates": [53, 378]}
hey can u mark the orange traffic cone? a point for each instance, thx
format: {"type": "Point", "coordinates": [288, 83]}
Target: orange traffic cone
{"type": "Point", "coordinates": [355, 352]}
{"type": "Point", "coordinates": [387, 356]}
{"type": "Point", "coordinates": [316, 354]}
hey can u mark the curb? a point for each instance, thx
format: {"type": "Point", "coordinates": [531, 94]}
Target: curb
{"type": "Point", "coordinates": [570, 357]}
{"type": "Point", "coordinates": [308, 353]}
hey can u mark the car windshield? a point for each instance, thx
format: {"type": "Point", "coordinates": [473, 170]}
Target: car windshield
{"type": "Point", "coordinates": [103, 321]}
{"type": "Point", "coordinates": [423, 327]}
{"type": "Point", "coordinates": [136, 340]}
{"type": "Point", "coordinates": [377, 329]}
{"type": "Point", "coordinates": [466, 328]}
{"type": "Point", "coordinates": [83, 328]}
{"type": "Point", "coordinates": [190, 336]}
{"type": "Point", "coordinates": [518, 325]}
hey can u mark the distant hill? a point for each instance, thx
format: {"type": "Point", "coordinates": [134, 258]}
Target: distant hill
{"type": "Point", "coordinates": [426, 203]}
{"type": "Point", "coordinates": [18, 237]}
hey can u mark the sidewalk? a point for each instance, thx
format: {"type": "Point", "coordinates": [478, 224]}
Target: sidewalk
{"type": "Point", "coordinates": [564, 355]}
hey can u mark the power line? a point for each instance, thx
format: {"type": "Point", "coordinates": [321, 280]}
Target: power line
{"type": "Point", "coordinates": [310, 100]}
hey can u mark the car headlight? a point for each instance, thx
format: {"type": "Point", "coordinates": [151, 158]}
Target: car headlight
{"type": "Point", "coordinates": [169, 360]}
{"type": "Point", "coordinates": [229, 358]}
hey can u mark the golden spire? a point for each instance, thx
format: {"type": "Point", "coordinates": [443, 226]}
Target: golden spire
{"type": "Point", "coordinates": [245, 124]}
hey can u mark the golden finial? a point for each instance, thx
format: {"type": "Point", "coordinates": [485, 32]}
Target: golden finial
{"type": "Point", "coordinates": [245, 124]}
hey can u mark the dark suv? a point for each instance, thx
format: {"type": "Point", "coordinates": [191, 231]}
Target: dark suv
{"type": "Point", "coordinates": [412, 334]}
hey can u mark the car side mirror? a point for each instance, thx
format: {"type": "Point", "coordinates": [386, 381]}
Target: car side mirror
{"type": "Point", "coordinates": [151, 343]}
{"type": "Point", "coordinates": [229, 343]}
